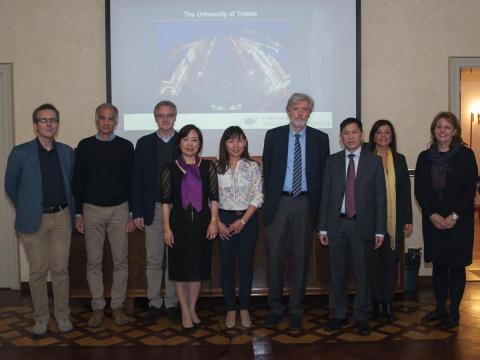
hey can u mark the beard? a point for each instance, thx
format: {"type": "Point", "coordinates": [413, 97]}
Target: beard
{"type": "Point", "coordinates": [299, 123]}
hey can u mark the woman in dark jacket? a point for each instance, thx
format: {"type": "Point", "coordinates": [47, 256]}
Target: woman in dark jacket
{"type": "Point", "coordinates": [445, 180]}
{"type": "Point", "coordinates": [189, 193]}
{"type": "Point", "coordinates": [382, 141]}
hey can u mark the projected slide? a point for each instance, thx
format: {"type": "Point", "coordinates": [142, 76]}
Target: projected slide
{"type": "Point", "coordinates": [232, 63]}
{"type": "Point", "coordinates": [231, 66]}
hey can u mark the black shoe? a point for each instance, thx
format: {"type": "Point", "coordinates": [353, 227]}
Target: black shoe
{"type": "Point", "coordinates": [388, 313]}
{"type": "Point", "coordinates": [449, 323]}
{"type": "Point", "coordinates": [189, 330]}
{"type": "Point", "coordinates": [433, 316]}
{"type": "Point", "coordinates": [174, 315]}
{"type": "Point", "coordinates": [273, 320]}
{"type": "Point", "coordinates": [152, 316]}
{"type": "Point", "coordinates": [296, 323]}
{"type": "Point", "coordinates": [199, 324]}
{"type": "Point", "coordinates": [335, 324]}
{"type": "Point", "coordinates": [363, 328]}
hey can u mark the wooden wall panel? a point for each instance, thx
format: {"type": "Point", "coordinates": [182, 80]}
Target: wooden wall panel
{"type": "Point", "coordinates": [318, 280]}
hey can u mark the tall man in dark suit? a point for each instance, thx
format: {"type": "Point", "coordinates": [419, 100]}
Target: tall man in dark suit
{"type": "Point", "coordinates": [294, 158]}
{"type": "Point", "coordinates": [153, 151]}
{"type": "Point", "coordinates": [37, 181]}
{"type": "Point", "coordinates": [352, 219]}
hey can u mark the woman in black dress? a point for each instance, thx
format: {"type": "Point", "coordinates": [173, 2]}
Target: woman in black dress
{"type": "Point", "coordinates": [445, 180]}
{"type": "Point", "coordinates": [383, 142]}
{"type": "Point", "coordinates": [190, 212]}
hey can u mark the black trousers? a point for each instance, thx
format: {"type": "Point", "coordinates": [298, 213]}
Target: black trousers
{"type": "Point", "coordinates": [241, 246]}
{"type": "Point", "coordinates": [343, 245]}
{"type": "Point", "coordinates": [384, 272]}
{"type": "Point", "coordinates": [448, 281]}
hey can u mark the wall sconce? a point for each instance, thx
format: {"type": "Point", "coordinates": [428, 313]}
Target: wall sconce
{"type": "Point", "coordinates": [472, 120]}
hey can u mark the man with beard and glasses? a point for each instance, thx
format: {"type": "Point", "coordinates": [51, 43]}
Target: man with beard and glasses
{"type": "Point", "coordinates": [294, 158]}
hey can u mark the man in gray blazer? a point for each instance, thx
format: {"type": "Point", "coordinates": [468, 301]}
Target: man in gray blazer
{"type": "Point", "coordinates": [352, 220]}
{"type": "Point", "coordinates": [37, 181]}
{"type": "Point", "coordinates": [294, 157]}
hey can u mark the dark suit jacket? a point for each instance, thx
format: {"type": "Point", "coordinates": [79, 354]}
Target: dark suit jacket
{"type": "Point", "coordinates": [275, 152]}
{"type": "Point", "coordinates": [403, 198]}
{"type": "Point", "coordinates": [145, 177]}
{"type": "Point", "coordinates": [23, 183]}
{"type": "Point", "coordinates": [370, 195]}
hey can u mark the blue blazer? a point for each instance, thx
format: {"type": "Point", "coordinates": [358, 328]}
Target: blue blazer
{"type": "Point", "coordinates": [275, 153]}
{"type": "Point", "coordinates": [23, 183]}
{"type": "Point", "coordinates": [144, 177]}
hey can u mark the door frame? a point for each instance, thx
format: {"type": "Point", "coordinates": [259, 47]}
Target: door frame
{"type": "Point", "coordinates": [8, 240]}
{"type": "Point", "coordinates": [455, 64]}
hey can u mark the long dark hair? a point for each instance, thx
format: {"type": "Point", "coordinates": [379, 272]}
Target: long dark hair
{"type": "Point", "coordinates": [232, 132]}
{"type": "Point", "coordinates": [371, 139]}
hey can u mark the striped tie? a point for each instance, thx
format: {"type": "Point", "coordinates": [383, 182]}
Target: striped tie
{"type": "Point", "coordinates": [297, 168]}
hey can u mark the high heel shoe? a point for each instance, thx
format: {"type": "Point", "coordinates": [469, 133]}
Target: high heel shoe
{"type": "Point", "coordinates": [433, 316]}
{"type": "Point", "coordinates": [199, 324]}
{"type": "Point", "coordinates": [449, 323]}
{"type": "Point", "coordinates": [189, 330]}
{"type": "Point", "coordinates": [230, 319]}
{"type": "Point", "coordinates": [245, 320]}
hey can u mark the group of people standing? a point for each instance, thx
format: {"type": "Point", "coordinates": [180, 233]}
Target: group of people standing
{"type": "Point", "coordinates": [357, 201]}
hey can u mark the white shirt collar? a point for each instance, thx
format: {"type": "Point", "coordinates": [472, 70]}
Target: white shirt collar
{"type": "Point", "coordinates": [356, 152]}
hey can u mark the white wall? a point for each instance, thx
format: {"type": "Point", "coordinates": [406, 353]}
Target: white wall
{"type": "Point", "coordinates": [405, 49]}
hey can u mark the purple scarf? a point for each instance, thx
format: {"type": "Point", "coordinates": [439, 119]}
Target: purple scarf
{"type": "Point", "coordinates": [191, 186]}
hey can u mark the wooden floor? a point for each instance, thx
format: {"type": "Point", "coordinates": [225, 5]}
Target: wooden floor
{"type": "Point", "coordinates": [405, 339]}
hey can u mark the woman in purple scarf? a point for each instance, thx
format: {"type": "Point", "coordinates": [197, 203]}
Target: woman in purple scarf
{"type": "Point", "coordinates": [189, 192]}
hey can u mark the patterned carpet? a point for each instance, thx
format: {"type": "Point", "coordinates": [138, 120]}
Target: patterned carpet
{"type": "Point", "coordinates": [16, 325]}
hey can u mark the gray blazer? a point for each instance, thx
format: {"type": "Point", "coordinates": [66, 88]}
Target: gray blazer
{"type": "Point", "coordinates": [370, 195]}
{"type": "Point", "coordinates": [23, 183]}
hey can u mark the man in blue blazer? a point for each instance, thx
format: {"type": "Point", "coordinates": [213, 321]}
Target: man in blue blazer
{"type": "Point", "coordinates": [294, 158]}
{"type": "Point", "coordinates": [152, 152]}
{"type": "Point", "coordinates": [37, 181]}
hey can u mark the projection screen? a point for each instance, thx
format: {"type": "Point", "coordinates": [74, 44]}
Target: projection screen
{"type": "Point", "coordinates": [232, 63]}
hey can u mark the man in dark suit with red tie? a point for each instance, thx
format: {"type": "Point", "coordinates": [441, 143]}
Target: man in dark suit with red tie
{"type": "Point", "coordinates": [294, 157]}
{"type": "Point", "coordinates": [352, 220]}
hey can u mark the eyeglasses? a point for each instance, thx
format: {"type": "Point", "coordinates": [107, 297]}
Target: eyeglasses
{"type": "Point", "coordinates": [47, 120]}
{"type": "Point", "coordinates": [168, 116]}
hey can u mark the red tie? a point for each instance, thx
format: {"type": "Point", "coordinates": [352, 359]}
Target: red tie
{"type": "Point", "coordinates": [350, 209]}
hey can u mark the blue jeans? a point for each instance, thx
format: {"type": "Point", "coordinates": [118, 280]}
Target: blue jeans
{"type": "Point", "coordinates": [243, 246]}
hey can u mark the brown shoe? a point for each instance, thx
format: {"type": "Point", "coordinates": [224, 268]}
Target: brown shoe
{"type": "Point", "coordinates": [96, 319]}
{"type": "Point", "coordinates": [119, 317]}
{"type": "Point", "coordinates": [245, 319]}
{"type": "Point", "coordinates": [230, 319]}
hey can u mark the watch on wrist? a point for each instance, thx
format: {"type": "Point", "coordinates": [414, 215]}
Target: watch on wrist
{"type": "Point", "coordinates": [455, 216]}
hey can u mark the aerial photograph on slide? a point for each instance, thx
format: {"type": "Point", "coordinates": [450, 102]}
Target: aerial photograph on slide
{"type": "Point", "coordinates": [225, 65]}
